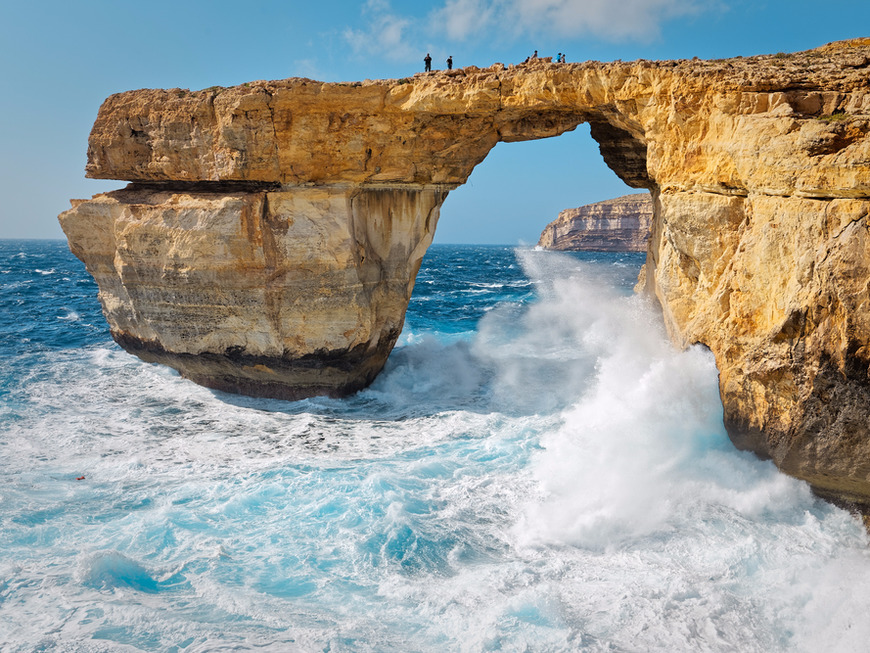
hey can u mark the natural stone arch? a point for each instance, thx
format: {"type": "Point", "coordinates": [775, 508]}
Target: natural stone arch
{"type": "Point", "coordinates": [271, 238]}
{"type": "Point", "coordinates": [345, 181]}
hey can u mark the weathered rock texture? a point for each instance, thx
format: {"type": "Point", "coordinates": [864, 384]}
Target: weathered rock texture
{"type": "Point", "coordinates": [272, 241]}
{"type": "Point", "coordinates": [282, 294]}
{"type": "Point", "coordinates": [621, 224]}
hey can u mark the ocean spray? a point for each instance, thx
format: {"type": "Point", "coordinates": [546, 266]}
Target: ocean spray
{"type": "Point", "coordinates": [536, 469]}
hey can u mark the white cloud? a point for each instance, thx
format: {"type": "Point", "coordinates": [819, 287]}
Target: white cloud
{"type": "Point", "coordinates": [377, 5]}
{"type": "Point", "coordinates": [615, 20]}
{"type": "Point", "coordinates": [401, 35]}
{"type": "Point", "coordinates": [462, 18]}
{"type": "Point", "coordinates": [609, 19]}
{"type": "Point", "coordinates": [385, 34]}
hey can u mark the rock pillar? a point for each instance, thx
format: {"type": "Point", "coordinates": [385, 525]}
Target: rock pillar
{"type": "Point", "coordinates": [280, 293]}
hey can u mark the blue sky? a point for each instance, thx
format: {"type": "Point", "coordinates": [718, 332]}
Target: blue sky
{"type": "Point", "coordinates": [60, 59]}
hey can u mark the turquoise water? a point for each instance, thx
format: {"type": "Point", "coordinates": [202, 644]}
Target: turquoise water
{"type": "Point", "coordinates": [535, 470]}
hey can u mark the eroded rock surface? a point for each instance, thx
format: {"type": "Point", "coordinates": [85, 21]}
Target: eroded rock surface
{"type": "Point", "coordinates": [268, 293]}
{"type": "Point", "coordinates": [271, 241]}
{"type": "Point", "coordinates": [621, 224]}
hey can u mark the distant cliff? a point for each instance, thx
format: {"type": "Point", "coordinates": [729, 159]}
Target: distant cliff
{"type": "Point", "coordinates": [618, 225]}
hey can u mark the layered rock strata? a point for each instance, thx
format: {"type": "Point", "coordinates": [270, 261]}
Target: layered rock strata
{"type": "Point", "coordinates": [621, 224]}
{"type": "Point", "coordinates": [271, 240]}
{"type": "Point", "coordinates": [261, 292]}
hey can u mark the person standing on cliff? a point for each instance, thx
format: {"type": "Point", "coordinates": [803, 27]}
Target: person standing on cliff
{"type": "Point", "coordinates": [450, 62]}
{"type": "Point", "coordinates": [428, 61]}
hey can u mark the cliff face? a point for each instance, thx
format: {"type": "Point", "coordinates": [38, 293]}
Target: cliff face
{"type": "Point", "coordinates": [621, 224]}
{"type": "Point", "coordinates": [270, 293]}
{"type": "Point", "coordinates": [272, 239]}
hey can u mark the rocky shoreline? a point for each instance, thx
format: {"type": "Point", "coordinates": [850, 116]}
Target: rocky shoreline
{"type": "Point", "coordinates": [759, 249]}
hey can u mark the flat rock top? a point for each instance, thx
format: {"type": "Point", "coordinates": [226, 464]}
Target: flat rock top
{"type": "Point", "coordinates": [634, 199]}
{"type": "Point", "coordinates": [433, 128]}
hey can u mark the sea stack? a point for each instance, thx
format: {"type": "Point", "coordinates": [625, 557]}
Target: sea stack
{"type": "Point", "coordinates": [271, 236]}
{"type": "Point", "coordinates": [621, 224]}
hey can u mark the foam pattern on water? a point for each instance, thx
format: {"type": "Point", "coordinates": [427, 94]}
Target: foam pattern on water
{"type": "Point", "coordinates": [537, 469]}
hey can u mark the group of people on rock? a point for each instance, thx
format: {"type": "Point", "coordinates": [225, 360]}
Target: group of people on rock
{"type": "Point", "coordinates": [427, 60]}
{"type": "Point", "coordinates": [560, 58]}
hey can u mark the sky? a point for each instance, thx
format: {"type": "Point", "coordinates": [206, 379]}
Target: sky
{"type": "Point", "coordinates": [60, 59]}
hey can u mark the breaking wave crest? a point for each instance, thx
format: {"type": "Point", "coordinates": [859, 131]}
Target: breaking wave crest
{"type": "Point", "coordinates": [536, 469]}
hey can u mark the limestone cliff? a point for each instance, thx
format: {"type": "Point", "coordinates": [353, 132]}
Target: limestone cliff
{"type": "Point", "coordinates": [272, 238]}
{"type": "Point", "coordinates": [621, 224]}
{"type": "Point", "coordinates": [271, 293]}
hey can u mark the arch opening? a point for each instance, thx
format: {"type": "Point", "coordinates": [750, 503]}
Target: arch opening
{"type": "Point", "coordinates": [522, 185]}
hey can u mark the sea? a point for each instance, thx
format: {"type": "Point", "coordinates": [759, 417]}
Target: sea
{"type": "Point", "coordinates": [536, 469]}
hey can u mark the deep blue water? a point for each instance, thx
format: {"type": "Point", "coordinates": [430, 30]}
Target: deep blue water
{"type": "Point", "coordinates": [535, 470]}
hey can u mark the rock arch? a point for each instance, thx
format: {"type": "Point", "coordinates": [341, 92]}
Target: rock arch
{"type": "Point", "coordinates": [270, 237]}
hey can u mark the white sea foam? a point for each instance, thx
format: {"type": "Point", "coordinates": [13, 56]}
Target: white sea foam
{"type": "Point", "coordinates": [558, 481]}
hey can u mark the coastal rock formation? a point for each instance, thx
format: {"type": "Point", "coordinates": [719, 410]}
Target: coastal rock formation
{"type": "Point", "coordinates": [616, 225]}
{"type": "Point", "coordinates": [270, 242]}
{"type": "Point", "coordinates": [269, 293]}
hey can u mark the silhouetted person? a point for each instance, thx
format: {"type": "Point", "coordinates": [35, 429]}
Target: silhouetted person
{"type": "Point", "coordinates": [428, 61]}
{"type": "Point", "coordinates": [535, 56]}
{"type": "Point", "coordinates": [562, 60]}
{"type": "Point", "coordinates": [450, 62]}
{"type": "Point", "coordinates": [559, 58]}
